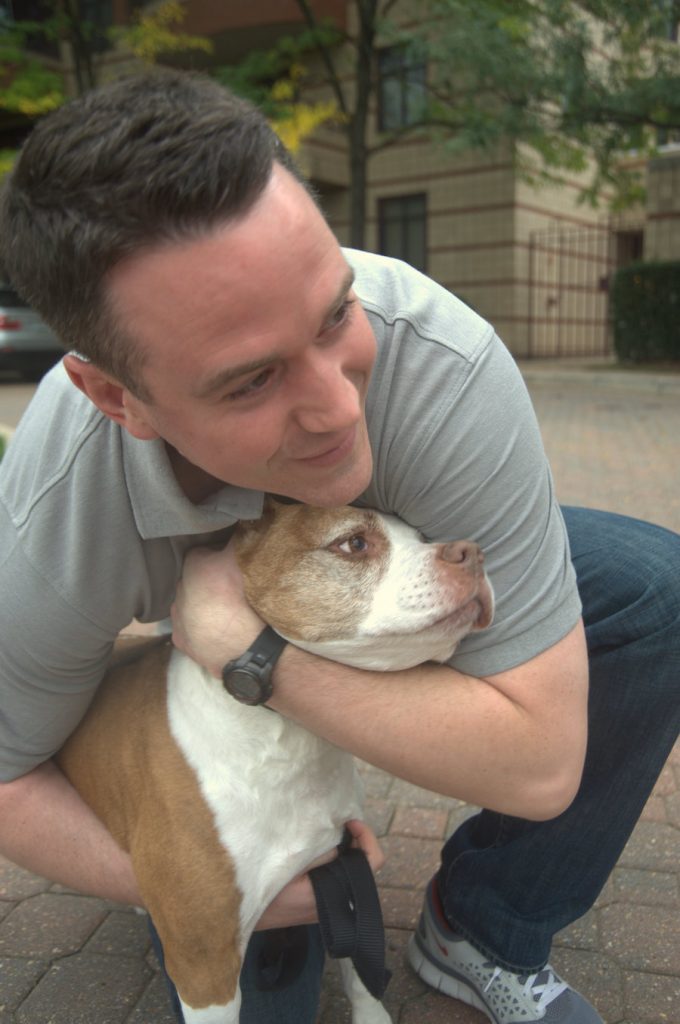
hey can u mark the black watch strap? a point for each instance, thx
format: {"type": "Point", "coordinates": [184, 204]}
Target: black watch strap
{"type": "Point", "coordinates": [268, 646]}
{"type": "Point", "coordinates": [248, 678]}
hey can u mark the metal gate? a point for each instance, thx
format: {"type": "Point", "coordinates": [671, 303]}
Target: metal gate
{"type": "Point", "coordinates": [569, 273]}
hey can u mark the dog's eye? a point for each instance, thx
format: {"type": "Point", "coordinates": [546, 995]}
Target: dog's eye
{"type": "Point", "coordinates": [354, 545]}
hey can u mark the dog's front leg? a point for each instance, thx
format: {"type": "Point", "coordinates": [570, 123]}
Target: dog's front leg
{"type": "Point", "coordinates": [366, 1009]}
{"type": "Point", "coordinates": [228, 1014]}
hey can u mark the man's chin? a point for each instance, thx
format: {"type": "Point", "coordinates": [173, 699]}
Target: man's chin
{"type": "Point", "coordinates": [342, 490]}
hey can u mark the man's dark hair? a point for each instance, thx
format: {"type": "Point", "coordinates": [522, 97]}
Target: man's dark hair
{"type": "Point", "coordinates": [158, 157]}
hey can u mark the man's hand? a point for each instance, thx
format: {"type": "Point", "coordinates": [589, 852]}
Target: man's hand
{"type": "Point", "coordinates": [211, 620]}
{"type": "Point", "coordinates": [295, 904]}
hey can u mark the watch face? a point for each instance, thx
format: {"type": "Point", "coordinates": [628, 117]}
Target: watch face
{"type": "Point", "coordinates": [245, 686]}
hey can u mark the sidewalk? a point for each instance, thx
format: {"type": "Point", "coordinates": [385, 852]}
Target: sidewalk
{"type": "Point", "coordinates": [69, 959]}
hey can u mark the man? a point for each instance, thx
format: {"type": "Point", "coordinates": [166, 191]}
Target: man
{"type": "Point", "coordinates": [227, 347]}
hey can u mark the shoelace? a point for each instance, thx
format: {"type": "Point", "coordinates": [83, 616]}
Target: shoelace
{"type": "Point", "coordinates": [543, 992]}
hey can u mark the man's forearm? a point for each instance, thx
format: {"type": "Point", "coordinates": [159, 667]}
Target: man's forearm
{"type": "Point", "coordinates": [454, 734]}
{"type": "Point", "coordinates": [46, 828]}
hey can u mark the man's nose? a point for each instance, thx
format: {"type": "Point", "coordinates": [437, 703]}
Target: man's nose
{"type": "Point", "coordinates": [328, 399]}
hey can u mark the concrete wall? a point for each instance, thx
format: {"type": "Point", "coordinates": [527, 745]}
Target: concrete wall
{"type": "Point", "coordinates": [662, 232]}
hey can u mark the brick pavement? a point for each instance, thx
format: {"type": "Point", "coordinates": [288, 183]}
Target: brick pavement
{"type": "Point", "coordinates": [69, 959]}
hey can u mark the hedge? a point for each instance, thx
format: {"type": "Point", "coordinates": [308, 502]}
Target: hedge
{"type": "Point", "coordinates": [645, 311]}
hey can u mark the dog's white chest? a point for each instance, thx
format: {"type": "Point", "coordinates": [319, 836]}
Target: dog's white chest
{"type": "Point", "coordinates": [279, 795]}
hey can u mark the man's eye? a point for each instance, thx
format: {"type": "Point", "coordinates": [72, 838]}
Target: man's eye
{"type": "Point", "coordinates": [341, 314]}
{"type": "Point", "coordinates": [252, 387]}
{"type": "Point", "coordinates": [354, 545]}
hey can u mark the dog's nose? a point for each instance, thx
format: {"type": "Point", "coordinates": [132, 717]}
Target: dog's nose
{"type": "Point", "coordinates": [464, 553]}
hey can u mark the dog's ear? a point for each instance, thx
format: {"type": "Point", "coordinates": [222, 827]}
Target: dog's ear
{"type": "Point", "coordinates": [249, 531]}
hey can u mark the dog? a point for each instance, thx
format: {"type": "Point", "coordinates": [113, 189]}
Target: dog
{"type": "Point", "coordinates": [220, 804]}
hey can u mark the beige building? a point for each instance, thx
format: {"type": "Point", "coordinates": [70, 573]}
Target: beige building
{"type": "Point", "coordinates": [533, 260]}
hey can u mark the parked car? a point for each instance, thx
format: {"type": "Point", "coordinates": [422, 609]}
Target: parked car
{"type": "Point", "coordinates": [27, 345]}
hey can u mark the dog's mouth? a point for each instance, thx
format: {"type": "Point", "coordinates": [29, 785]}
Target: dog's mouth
{"type": "Point", "coordinates": [477, 612]}
{"type": "Point", "coordinates": [474, 614]}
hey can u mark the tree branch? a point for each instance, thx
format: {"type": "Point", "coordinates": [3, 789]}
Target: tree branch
{"type": "Point", "coordinates": [326, 57]}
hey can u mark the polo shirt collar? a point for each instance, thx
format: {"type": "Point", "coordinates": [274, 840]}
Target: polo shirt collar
{"type": "Point", "coordinates": [161, 508]}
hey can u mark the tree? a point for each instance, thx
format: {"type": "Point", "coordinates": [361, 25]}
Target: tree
{"type": "Point", "coordinates": [580, 84]}
{"type": "Point", "coordinates": [274, 79]}
{"type": "Point", "coordinates": [568, 84]}
{"type": "Point", "coordinates": [157, 34]}
{"type": "Point", "coordinates": [29, 88]}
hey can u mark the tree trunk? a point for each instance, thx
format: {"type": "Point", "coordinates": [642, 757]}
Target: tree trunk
{"type": "Point", "coordinates": [358, 126]}
{"type": "Point", "coordinates": [81, 51]}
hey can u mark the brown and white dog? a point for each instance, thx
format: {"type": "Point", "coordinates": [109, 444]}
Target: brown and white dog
{"type": "Point", "coordinates": [220, 804]}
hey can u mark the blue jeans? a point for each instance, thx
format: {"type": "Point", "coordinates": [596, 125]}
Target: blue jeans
{"type": "Point", "coordinates": [297, 1003]}
{"type": "Point", "coordinates": [509, 884]}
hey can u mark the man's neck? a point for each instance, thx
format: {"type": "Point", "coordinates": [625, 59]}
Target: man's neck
{"type": "Point", "coordinates": [195, 482]}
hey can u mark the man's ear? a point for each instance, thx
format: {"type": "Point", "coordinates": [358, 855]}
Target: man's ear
{"type": "Point", "coordinates": [110, 397]}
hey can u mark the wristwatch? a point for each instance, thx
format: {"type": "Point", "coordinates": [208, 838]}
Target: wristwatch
{"type": "Point", "coordinates": [248, 678]}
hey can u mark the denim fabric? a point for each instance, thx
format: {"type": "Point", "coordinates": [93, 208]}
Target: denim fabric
{"type": "Point", "coordinates": [507, 884]}
{"type": "Point", "coordinates": [298, 1003]}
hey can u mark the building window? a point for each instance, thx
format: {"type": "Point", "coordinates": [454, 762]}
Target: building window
{"type": "Point", "coordinates": [630, 247]}
{"type": "Point", "coordinates": [402, 224]}
{"type": "Point", "coordinates": [402, 79]}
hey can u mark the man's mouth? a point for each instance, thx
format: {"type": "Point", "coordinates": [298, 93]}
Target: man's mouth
{"type": "Point", "coordinates": [341, 447]}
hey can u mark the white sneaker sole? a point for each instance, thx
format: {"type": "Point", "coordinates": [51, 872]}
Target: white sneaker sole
{"type": "Point", "coordinates": [443, 982]}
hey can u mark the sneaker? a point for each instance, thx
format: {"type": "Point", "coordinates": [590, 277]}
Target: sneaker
{"type": "Point", "coordinates": [447, 962]}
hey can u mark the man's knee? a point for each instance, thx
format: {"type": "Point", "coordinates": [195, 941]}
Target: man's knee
{"type": "Point", "coordinates": [627, 571]}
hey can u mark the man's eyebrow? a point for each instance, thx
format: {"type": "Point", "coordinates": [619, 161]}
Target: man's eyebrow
{"type": "Point", "coordinates": [232, 373]}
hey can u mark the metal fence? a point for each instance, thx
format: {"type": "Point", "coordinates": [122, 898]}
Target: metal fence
{"type": "Point", "coordinates": [569, 274]}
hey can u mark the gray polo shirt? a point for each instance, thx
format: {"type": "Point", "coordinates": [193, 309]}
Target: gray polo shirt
{"type": "Point", "coordinates": [93, 526]}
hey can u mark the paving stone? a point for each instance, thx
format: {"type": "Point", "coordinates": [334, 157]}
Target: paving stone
{"type": "Point", "coordinates": [673, 809]}
{"type": "Point", "coordinates": [19, 975]}
{"type": "Point", "coordinates": [432, 1008]}
{"type": "Point", "coordinates": [582, 934]}
{"type": "Point", "coordinates": [642, 938]}
{"type": "Point", "coordinates": [405, 983]}
{"type": "Point", "coordinates": [608, 894]}
{"type": "Point", "coordinates": [426, 822]}
{"type": "Point", "coordinates": [5, 908]}
{"type": "Point", "coordinates": [636, 886]}
{"type": "Point", "coordinates": [379, 814]}
{"type": "Point", "coordinates": [401, 907]}
{"type": "Point", "coordinates": [665, 784]}
{"type": "Point", "coordinates": [410, 862]}
{"type": "Point", "coordinates": [652, 998]}
{"type": "Point", "coordinates": [16, 883]}
{"type": "Point", "coordinates": [335, 1010]}
{"type": "Point", "coordinates": [596, 976]}
{"type": "Point", "coordinates": [652, 845]}
{"type": "Point", "coordinates": [415, 796]}
{"type": "Point", "coordinates": [85, 989]}
{"type": "Point", "coordinates": [154, 1005]}
{"type": "Point", "coordinates": [122, 934]}
{"type": "Point", "coordinates": [50, 925]}
{"type": "Point", "coordinates": [655, 810]}
{"type": "Point", "coordinates": [376, 782]}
